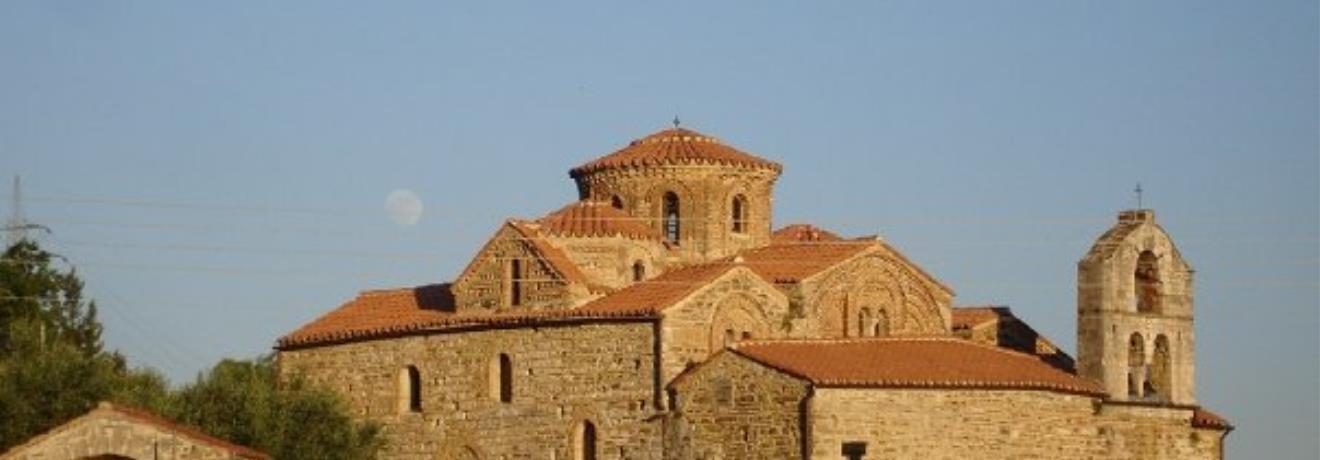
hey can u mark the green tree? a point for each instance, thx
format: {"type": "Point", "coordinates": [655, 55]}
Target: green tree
{"type": "Point", "coordinates": [32, 287]}
{"type": "Point", "coordinates": [244, 402]}
{"type": "Point", "coordinates": [52, 369]}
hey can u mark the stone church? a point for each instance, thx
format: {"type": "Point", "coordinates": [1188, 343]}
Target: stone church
{"type": "Point", "coordinates": [661, 316]}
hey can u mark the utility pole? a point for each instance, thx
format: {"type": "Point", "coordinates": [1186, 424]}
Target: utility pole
{"type": "Point", "coordinates": [16, 226]}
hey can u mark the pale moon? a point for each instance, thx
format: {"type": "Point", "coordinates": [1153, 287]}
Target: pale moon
{"type": "Point", "coordinates": [404, 207]}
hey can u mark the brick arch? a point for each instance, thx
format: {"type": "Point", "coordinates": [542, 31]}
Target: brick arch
{"type": "Point", "coordinates": [875, 281]}
{"type": "Point", "coordinates": [733, 317]}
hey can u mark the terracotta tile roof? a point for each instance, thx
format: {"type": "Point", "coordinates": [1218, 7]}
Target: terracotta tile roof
{"type": "Point", "coordinates": [150, 418]}
{"type": "Point", "coordinates": [792, 262]}
{"type": "Point", "coordinates": [972, 316]}
{"type": "Point", "coordinates": [930, 362]}
{"type": "Point", "coordinates": [1009, 332]}
{"type": "Point", "coordinates": [592, 219]}
{"type": "Point", "coordinates": [674, 147]}
{"type": "Point", "coordinates": [656, 294]}
{"type": "Point", "coordinates": [801, 233]}
{"type": "Point", "coordinates": [393, 312]}
{"type": "Point", "coordinates": [1203, 418]}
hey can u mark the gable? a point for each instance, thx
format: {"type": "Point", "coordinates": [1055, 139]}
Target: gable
{"type": "Point", "coordinates": [549, 274]}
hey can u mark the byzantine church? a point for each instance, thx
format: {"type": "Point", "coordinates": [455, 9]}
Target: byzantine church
{"type": "Point", "coordinates": [663, 316]}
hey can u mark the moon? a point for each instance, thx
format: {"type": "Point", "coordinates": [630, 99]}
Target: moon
{"type": "Point", "coordinates": [404, 207]}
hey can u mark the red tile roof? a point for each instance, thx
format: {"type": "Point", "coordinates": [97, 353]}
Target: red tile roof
{"type": "Point", "coordinates": [592, 219]}
{"type": "Point", "coordinates": [793, 262]}
{"type": "Point", "coordinates": [973, 316]}
{"type": "Point", "coordinates": [393, 312]}
{"type": "Point", "coordinates": [800, 233]}
{"type": "Point", "coordinates": [674, 147]}
{"type": "Point", "coordinates": [162, 423]}
{"type": "Point", "coordinates": [1203, 418]}
{"type": "Point", "coordinates": [931, 362]}
{"type": "Point", "coordinates": [656, 294]}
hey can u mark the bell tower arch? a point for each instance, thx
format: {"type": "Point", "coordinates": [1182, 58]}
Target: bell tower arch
{"type": "Point", "coordinates": [1134, 314]}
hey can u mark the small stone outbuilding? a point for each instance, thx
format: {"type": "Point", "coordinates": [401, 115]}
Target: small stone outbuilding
{"type": "Point", "coordinates": [117, 432]}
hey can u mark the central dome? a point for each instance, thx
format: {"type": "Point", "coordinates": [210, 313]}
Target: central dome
{"type": "Point", "coordinates": [675, 146]}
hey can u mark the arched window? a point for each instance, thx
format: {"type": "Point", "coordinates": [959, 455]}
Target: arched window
{"type": "Point", "coordinates": [739, 214]}
{"type": "Point", "coordinates": [639, 271]}
{"type": "Point", "coordinates": [881, 327]}
{"type": "Point", "coordinates": [1161, 376]}
{"type": "Point", "coordinates": [616, 202]}
{"type": "Point", "coordinates": [410, 390]}
{"type": "Point", "coordinates": [1146, 282]}
{"type": "Point", "coordinates": [584, 441]}
{"type": "Point", "coordinates": [671, 219]}
{"type": "Point", "coordinates": [864, 322]}
{"type": "Point", "coordinates": [1136, 365]}
{"type": "Point", "coordinates": [501, 378]}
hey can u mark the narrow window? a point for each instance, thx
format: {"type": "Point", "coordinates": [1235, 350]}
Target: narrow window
{"type": "Point", "coordinates": [881, 327]}
{"type": "Point", "coordinates": [410, 390]}
{"type": "Point", "coordinates": [1136, 365]}
{"type": "Point", "coordinates": [864, 323]}
{"type": "Point", "coordinates": [501, 378]}
{"type": "Point", "coordinates": [639, 271]}
{"type": "Point", "coordinates": [739, 214]}
{"type": "Point", "coordinates": [1146, 283]}
{"type": "Point", "coordinates": [616, 202]}
{"type": "Point", "coordinates": [729, 337]}
{"type": "Point", "coordinates": [672, 224]}
{"type": "Point", "coordinates": [585, 441]}
{"type": "Point", "coordinates": [747, 335]}
{"type": "Point", "coordinates": [516, 276]}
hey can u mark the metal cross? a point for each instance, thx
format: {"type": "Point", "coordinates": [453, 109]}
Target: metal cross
{"type": "Point", "coordinates": [676, 122]}
{"type": "Point", "coordinates": [1139, 191]}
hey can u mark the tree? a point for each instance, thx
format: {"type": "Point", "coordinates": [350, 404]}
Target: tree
{"type": "Point", "coordinates": [33, 288]}
{"type": "Point", "coordinates": [243, 401]}
{"type": "Point", "coordinates": [52, 369]}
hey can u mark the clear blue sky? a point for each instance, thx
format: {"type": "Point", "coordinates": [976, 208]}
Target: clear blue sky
{"type": "Point", "coordinates": [217, 171]}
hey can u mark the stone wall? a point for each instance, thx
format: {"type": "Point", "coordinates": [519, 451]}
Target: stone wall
{"type": "Point", "coordinates": [995, 424]}
{"type": "Point", "coordinates": [735, 409]}
{"type": "Point", "coordinates": [609, 261]}
{"type": "Point", "coordinates": [485, 284]}
{"type": "Point", "coordinates": [739, 302]}
{"type": "Point", "coordinates": [899, 301]}
{"type": "Point", "coordinates": [561, 376]}
{"type": "Point", "coordinates": [705, 195]}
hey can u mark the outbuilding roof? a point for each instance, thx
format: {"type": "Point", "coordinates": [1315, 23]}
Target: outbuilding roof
{"type": "Point", "coordinates": [915, 362]}
{"type": "Point", "coordinates": [144, 416]}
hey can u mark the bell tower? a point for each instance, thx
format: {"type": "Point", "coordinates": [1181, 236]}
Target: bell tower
{"type": "Point", "coordinates": [1134, 314]}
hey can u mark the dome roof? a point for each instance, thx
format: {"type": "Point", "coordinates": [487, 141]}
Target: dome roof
{"type": "Point", "coordinates": [592, 218]}
{"type": "Point", "coordinates": [676, 146]}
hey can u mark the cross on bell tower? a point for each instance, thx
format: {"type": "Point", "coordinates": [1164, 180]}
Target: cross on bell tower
{"type": "Point", "coordinates": [1139, 191]}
